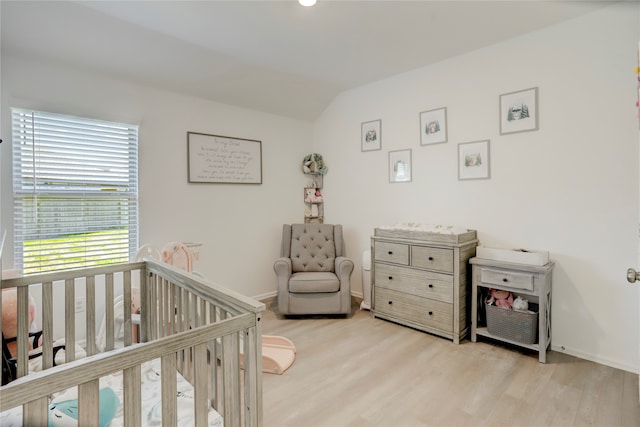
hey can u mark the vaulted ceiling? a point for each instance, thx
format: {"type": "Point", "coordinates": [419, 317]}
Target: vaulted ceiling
{"type": "Point", "coordinates": [272, 56]}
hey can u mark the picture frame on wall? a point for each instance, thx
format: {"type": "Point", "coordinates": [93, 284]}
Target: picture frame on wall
{"type": "Point", "coordinates": [474, 160]}
{"type": "Point", "coordinates": [400, 166]}
{"type": "Point", "coordinates": [519, 111]}
{"type": "Point", "coordinates": [433, 126]}
{"type": "Point", "coordinates": [371, 136]}
{"type": "Point", "coordinates": [223, 159]}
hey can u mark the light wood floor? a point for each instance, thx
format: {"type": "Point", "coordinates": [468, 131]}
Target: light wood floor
{"type": "Point", "coordinates": [361, 371]}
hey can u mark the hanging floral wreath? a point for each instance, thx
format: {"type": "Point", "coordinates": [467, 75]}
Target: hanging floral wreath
{"type": "Point", "coordinates": [313, 163]}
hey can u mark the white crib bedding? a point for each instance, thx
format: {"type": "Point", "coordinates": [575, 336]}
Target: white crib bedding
{"type": "Point", "coordinates": [65, 403]}
{"type": "Point", "coordinates": [35, 364]}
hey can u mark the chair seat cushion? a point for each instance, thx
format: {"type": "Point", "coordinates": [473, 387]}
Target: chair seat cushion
{"type": "Point", "coordinates": [313, 282]}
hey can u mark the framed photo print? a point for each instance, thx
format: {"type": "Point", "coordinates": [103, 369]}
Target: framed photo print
{"type": "Point", "coordinates": [473, 160]}
{"type": "Point", "coordinates": [519, 111]}
{"type": "Point", "coordinates": [371, 137]}
{"type": "Point", "coordinates": [400, 166]}
{"type": "Point", "coordinates": [433, 126]}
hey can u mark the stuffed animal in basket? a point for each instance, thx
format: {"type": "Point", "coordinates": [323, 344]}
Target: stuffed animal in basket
{"type": "Point", "coordinates": [500, 298]}
{"type": "Point", "coordinates": [520, 304]}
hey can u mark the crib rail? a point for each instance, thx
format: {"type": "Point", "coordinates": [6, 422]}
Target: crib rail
{"type": "Point", "coordinates": [191, 324]}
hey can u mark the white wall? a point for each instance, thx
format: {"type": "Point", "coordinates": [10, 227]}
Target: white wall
{"type": "Point", "coordinates": [570, 188]}
{"type": "Point", "coordinates": [239, 225]}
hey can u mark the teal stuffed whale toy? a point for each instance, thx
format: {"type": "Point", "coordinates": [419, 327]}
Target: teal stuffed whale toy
{"type": "Point", "coordinates": [65, 413]}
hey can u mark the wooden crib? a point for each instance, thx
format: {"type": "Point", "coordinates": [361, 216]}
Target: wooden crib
{"type": "Point", "coordinates": [192, 326]}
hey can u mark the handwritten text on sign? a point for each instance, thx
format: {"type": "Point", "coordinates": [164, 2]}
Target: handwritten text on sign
{"type": "Point", "coordinates": [224, 159]}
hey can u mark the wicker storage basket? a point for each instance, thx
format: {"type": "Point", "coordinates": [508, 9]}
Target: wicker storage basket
{"type": "Point", "coordinates": [514, 325]}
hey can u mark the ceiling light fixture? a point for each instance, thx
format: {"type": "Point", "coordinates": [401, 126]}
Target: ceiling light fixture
{"type": "Point", "coordinates": [307, 3]}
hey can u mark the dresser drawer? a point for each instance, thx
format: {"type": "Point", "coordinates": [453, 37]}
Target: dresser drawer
{"type": "Point", "coordinates": [423, 312]}
{"type": "Point", "coordinates": [397, 253]}
{"type": "Point", "coordinates": [508, 279]}
{"type": "Point", "coordinates": [433, 258]}
{"type": "Point", "coordinates": [416, 282]}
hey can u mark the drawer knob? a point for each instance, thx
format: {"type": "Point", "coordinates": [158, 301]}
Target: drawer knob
{"type": "Point", "coordinates": [390, 302]}
{"type": "Point", "coordinates": [390, 277]}
{"type": "Point", "coordinates": [430, 286]}
{"type": "Point", "coordinates": [430, 258]}
{"type": "Point", "coordinates": [431, 313]}
{"type": "Point", "coordinates": [505, 280]}
{"type": "Point", "coordinates": [390, 252]}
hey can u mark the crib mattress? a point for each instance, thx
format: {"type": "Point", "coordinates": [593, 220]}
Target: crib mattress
{"type": "Point", "coordinates": [151, 402]}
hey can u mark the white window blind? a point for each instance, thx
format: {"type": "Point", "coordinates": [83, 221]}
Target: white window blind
{"type": "Point", "coordinates": [75, 186]}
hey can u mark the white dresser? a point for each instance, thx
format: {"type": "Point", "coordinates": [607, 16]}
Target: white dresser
{"type": "Point", "coordinates": [422, 279]}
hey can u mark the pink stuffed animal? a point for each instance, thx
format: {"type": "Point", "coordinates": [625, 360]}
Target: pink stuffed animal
{"type": "Point", "coordinates": [501, 299]}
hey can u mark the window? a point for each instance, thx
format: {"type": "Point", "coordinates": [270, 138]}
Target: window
{"type": "Point", "coordinates": [75, 189]}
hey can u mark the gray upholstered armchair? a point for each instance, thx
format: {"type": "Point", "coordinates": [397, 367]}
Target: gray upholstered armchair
{"type": "Point", "coordinates": [313, 273]}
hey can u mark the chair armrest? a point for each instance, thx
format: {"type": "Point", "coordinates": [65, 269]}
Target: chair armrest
{"type": "Point", "coordinates": [344, 268]}
{"type": "Point", "coordinates": [282, 267]}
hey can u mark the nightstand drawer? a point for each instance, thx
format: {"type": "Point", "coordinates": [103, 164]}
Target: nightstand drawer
{"type": "Point", "coordinates": [415, 282]}
{"type": "Point", "coordinates": [508, 279]}
{"type": "Point", "coordinates": [396, 253]}
{"type": "Point", "coordinates": [433, 258]}
{"type": "Point", "coordinates": [423, 312]}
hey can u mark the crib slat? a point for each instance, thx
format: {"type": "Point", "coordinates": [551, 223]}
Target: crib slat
{"type": "Point", "coordinates": [169, 391]}
{"type": "Point", "coordinates": [126, 309]}
{"type": "Point", "coordinates": [145, 315]}
{"type": "Point", "coordinates": [131, 384]}
{"type": "Point", "coordinates": [200, 386]}
{"type": "Point", "coordinates": [153, 308]}
{"type": "Point", "coordinates": [180, 325]}
{"type": "Point", "coordinates": [191, 324]}
{"type": "Point", "coordinates": [23, 331]}
{"type": "Point", "coordinates": [88, 403]}
{"type": "Point", "coordinates": [231, 383]}
{"type": "Point", "coordinates": [69, 320]}
{"type": "Point", "coordinates": [213, 357]}
{"type": "Point", "coordinates": [161, 307]}
{"type": "Point", "coordinates": [108, 312]}
{"type": "Point", "coordinates": [47, 325]}
{"type": "Point", "coordinates": [171, 301]}
{"type": "Point", "coordinates": [203, 312]}
{"type": "Point", "coordinates": [36, 412]}
{"type": "Point", "coordinates": [253, 375]}
{"type": "Point", "coordinates": [90, 307]}
{"type": "Point", "coordinates": [166, 308]}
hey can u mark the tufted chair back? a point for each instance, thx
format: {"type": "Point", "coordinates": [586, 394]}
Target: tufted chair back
{"type": "Point", "coordinates": [313, 247]}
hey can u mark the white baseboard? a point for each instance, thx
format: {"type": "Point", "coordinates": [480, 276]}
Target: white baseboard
{"type": "Point", "coordinates": [266, 296]}
{"type": "Point", "coordinates": [634, 369]}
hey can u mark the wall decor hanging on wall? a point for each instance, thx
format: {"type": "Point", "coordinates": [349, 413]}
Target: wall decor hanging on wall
{"type": "Point", "coordinates": [314, 163]}
{"type": "Point", "coordinates": [400, 166]}
{"type": "Point", "coordinates": [473, 160]}
{"type": "Point", "coordinates": [519, 111]}
{"type": "Point", "coordinates": [371, 136]}
{"type": "Point", "coordinates": [223, 159]}
{"type": "Point", "coordinates": [433, 126]}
